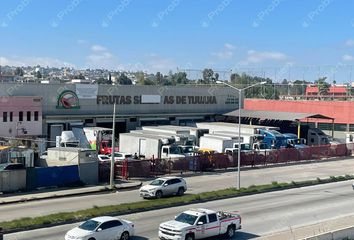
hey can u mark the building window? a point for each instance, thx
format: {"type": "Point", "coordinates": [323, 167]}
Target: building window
{"type": "Point", "coordinates": [28, 116]}
{"type": "Point", "coordinates": [11, 116]}
{"type": "Point", "coordinates": [20, 116]}
{"type": "Point", "coordinates": [36, 116]}
{"type": "Point", "coordinates": [4, 116]}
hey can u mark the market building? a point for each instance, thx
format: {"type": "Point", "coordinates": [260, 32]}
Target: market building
{"type": "Point", "coordinates": [45, 110]}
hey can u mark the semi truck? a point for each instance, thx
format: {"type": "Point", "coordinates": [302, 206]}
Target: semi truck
{"type": "Point", "coordinates": [216, 143]}
{"type": "Point", "coordinates": [199, 224]}
{"type": "Point", "coordinates": [99, 139]}
{"type": "Point", "coordinates": [313, 136]}
{"type": "Point", "coordinates": [150, 146]}
{"type": "Point", "coordinates": [184, 141]}
{"type": "Point", "coordinates": [273, 139]}
{"type": "Point", "coordinates": [268, 137]}
{"type": "Point", "coordinates": [175, 129]}
{"type": "Point", "coordinates": [294, 142]}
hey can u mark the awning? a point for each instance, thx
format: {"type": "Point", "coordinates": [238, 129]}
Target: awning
{"type": "Point", "coordinates": [273, 115]}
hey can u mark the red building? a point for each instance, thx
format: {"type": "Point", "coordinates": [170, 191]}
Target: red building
{"type": "Point", "coordinates": [341, 111]}
{"type": "Point", "coordinates": [334, 92]}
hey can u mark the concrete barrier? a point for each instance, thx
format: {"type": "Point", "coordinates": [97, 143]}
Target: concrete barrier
{"type": "Point", "coordinates": [324, 236]}
{"type": "Point", "coordinates": [12, 180]}
{"type": "Point", "coordinates": [341, 234]}
{"type": "Point", "coordinates": [345, 233]}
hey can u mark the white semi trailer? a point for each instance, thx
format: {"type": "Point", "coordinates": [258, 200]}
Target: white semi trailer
{"type": "Point", "coordinates": [149, 146]}
{"type": "Point", "coordinates": [216, 143]}
{"type": "Point", "coordinates": [193, 132]}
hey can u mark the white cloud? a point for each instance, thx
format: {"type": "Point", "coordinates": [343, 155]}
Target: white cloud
{"type": "Point", "coordinates": [32, 61]}
{"type": "Point", "coordinates": [230, 46]}
{"type": "Point", "coordinates": [151, 63]}
{"type": "Point", "coordinates": [256, 57]}
{"type": "Point", "coordinates": [82, 42]}
{"type": "Point", "coordinates": [223, 55]}
{"type": "Point", "coordinates": [350, 43]}
{"type": "Point", "coordinates": [98, 48]}
{"type": "Point", "coordinates": [101, 57]}
{"type": "Point", "coordinates": [226, 53]}
{"type": "Point", "coordinates": [157, 63]}
{"type": "Point", "coordinates": [347, 57]}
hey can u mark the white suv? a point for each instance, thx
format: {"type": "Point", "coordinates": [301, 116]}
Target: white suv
{"type": "Point", "coordinates": [163, 187]}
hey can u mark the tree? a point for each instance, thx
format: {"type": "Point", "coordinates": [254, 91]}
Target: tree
{"type": "Point", "coordinates": [216, 77]}
{"type": "Point", "coordinates": [140, 78]}
{"type": "Point", "coordinates": [323, 86]}
{"type": "Point", "coordinates": [124, 80]}
{"type": "Point", "coordinates": [179, 78]}
{"type": "Point", "coordinates": [159, 78]}
{"type": "Point", "coordinates": [19, 71]}
{"type": "Point", "coordinates": [208, 75]}
{"type": "Point", "coordinates": [38, 74]}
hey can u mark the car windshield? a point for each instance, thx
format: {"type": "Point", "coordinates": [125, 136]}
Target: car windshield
{"type": "Point", "coordinates": [89, 225]}
{"type": "Point", "coordinates": [175, 150]}
{"type": "Point", "coordinates": [186, 218]}
{"type": "Point", "coordinates": [105, 157]}
{"type": "Point", "coordinates": [157, 182]}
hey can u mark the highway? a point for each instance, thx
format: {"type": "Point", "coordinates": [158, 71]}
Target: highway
{"type": "Point", "coordinates": [196, 184]}
{"type": "Point", "coordinates": [261, 214]}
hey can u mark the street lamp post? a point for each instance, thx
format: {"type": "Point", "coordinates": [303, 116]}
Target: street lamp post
{"type": "Point", "coordinates": [113, 147]}
{"type": "Point", "coordinates": [239, 90]}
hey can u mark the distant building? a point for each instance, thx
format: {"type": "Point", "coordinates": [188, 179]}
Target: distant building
{"type": "Point", "coordinates": [334, 92]}
{"type": "Point", "coordinates": [20, 115]}
{"type": "Point", "coordinates": [8, 78]}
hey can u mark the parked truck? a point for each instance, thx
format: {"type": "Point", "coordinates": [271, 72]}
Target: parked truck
{"type": "Point", "coordinates": [99, 139]}
{"type": "Point", "coordinates": [199, 224]}
{"type": "Point", "coordinates": [216, 143]}
{"type": "Point", "coordinates": [193, 132]}
{"type": "Point", "coordinates": [313, 136]}
{"type": "Point", "coordinates": [184, 141]}
{"type": "Point", "coordinates": [67, 139]}
{"type": "Point", "coordinates": [294, 142]}
{"type": "Point", "coordinates": [271, 138]}
{"type": "Point", "coordinates": [150, 146]}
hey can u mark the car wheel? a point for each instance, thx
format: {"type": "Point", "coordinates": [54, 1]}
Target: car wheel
{"type": "Point", "coordinates": [180, 191]}
{"type": "Point", "coordinates": [92, 238]}
{"type": "Point", "coordinates": [158, 194]}
{"type": "Point", "coordinates": [189, 237]}
{"type": "Point", "coordinates": [125, 236]}
{"type": "Point", "coordinates": [230, 231]}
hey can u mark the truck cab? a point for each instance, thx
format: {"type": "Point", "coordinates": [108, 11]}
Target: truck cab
{"type": "Point", "coordinates": [172, 151]}
{"type": "Point", "coordinates": [294, 142]}
{"type": "Point", "coordinates": [273, 138]}
{"type": "Point", "coordinates": [199, 224]}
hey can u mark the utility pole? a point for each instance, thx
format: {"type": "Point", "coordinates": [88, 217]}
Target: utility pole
{"type": "Point", "coordinates": [113, 147]}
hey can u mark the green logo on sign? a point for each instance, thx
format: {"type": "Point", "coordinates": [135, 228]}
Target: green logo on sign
{"type": "Point", "coordinates": [68, 100]}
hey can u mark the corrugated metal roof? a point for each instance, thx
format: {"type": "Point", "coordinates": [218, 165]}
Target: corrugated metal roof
{"type": "Point", "coordinates": [284, 116]}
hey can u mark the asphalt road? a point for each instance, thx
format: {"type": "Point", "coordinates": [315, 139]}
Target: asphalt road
{"type": "Point", "coordinates": [262, 214]}
{"type": "Point", "coordinates": [196, 184]}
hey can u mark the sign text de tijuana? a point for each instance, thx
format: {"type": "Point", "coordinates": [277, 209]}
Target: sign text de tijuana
{"type": "Point", "coordinates": [109, 99]}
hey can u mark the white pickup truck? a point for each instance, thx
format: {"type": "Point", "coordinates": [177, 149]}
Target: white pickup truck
{"type": "Point", "coordinates": [200, 223]}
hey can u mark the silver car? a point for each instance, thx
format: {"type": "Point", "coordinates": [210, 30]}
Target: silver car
{"type": "Point", "coordinates": [164, 186]}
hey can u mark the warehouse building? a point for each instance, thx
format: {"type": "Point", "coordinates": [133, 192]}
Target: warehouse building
{"type": "Point", "coordinates": [30, 109]}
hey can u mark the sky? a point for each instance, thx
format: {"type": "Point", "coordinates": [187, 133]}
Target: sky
{"type": "Point", "coordinates": [294, 38]}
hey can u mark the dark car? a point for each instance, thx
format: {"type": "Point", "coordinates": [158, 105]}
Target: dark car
{"type": "Point", "coordinates": [11, 166]}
